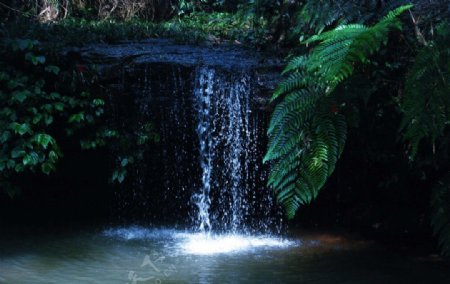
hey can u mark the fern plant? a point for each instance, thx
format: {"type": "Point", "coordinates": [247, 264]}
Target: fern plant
{"type": "Point", "coordinates": [334, 58]}
{"type": "Point", "coordinates": [426, 105]}
{"type": "Point", "coordinates": [426, 116]}
{"type": "Point", "coordinates": [307, 133]}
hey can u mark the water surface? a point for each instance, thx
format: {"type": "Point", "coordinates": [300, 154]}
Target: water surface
{"type": "Point", "coordinates": [142, 255]}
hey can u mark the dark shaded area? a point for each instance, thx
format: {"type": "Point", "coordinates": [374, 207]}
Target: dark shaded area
{"type": "Point", "coordinates": [77, 194]}
{"type": "Point", "coordinates": [372, 190]}
{"type": "Point", "coordinates": [376, 189]}
{"type": "Point", "coordinates": [158, 190]}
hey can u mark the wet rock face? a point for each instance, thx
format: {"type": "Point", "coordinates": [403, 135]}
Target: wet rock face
{"type": "Point", "coordinates": [128, 58]}
{"type": "Point", "coordinates": [161, 82]}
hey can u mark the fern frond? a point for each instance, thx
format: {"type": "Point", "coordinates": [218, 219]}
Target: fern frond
{"type": "Point", "coordinates": [440, 216]}
{"type": "Point", "coordinates": [317, 15]}
{"type": "Point", "coordinates": [306, 134]}
{"type": "Point", "coordinates": [295, 81]}
{"type": "Point", "coordinates": [298, 62]}
{"type": "Point", "coordinates": [334, 58]}
{"type": "Point", "coordinates": [303, 151]}
{"type": "Point", "coordinates": [299, 101]}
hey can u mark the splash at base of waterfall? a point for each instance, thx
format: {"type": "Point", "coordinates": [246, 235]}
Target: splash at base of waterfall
{"type": "Point", "coordinates": [185, 242]}
{"type": "Point", "coordinates": [203, 244]}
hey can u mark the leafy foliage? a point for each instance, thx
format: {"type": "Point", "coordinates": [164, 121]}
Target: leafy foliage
{"type": "Point", "coordinates": [317, 15]}
{"type": "Point", "coordinates": [41, 103]}
{"type": "Point", "coordinates": [334, 58]}
{"type": "Point", "coordinates": [426, 104]}
{"type": "Point", "coordinates": [30, 107]}
{"type": "Point", "coordinates": [307, 137]}
{"type": "Point", "coordinates": [306, 133]}
{"type": "Point", "coordinates": [426, 116]}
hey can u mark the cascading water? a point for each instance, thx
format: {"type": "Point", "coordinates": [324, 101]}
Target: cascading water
{"type": "Point", "coordinates": [206, 172]}
{"type": "Point", "coordinates": [227, 149]}
{"type": "Point", "coordinates": [203, 95]}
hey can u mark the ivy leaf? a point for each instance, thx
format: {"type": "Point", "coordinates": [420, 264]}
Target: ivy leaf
{"type": "Point", "coordinates": [99, 111]}
{"type": "Point", "coordinates": [53, 156]}
{"type": "Point", "coordinates": [21, 96]}
{"type": "Point", "coordinates": [5, 136]}
{"type": "Point", "coordinates": [98, 102]}
{"type": "Point", "coordinates": [44, 140]}
{"type": "Point", "coordinates": [16, 153]}
{"type": "Point", "coordinates": [48, 120]}
{"type": "Point", "coordinates": [37, 118]}
{"type": "Point", "coordinates": [47, 168]}
{"type": "Point", "coordinates": [76, 117]}
{"type": "Point", "coordinates": [20, 129]}
{"type": "Point", "coordinates": [24, 44]}
{"type": "Point", "coordinates": [10, 164]}
{"type": "Point", "coordinates": [54, 95]}
{"type": "Point", "coordinates": [59, 106]}
{"type": "Point", "coordinates": [30, 159]}
{"type": "Point", "coordinates": [19, 168]}
{"type": "Point", "coordinates": [35, 59]}
{"type": "Point", "coordinates": [52, 69]}
{"type": "Point", "coordinates": [38, 60]}
{"type": "Point", "coordinates": [119, 175]}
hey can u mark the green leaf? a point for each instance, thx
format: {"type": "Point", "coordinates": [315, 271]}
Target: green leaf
{"type": "Point", "coordinates": [44, 140]}
{"type": "Point", "coordinates": [47, 168]}
{"type": "Point", "coordinates": [76, 117]}
{"type": "Point", "coordinates": [52, 69]}
{"type": "Point", "coordinates": [5, 136]}
{"type": "Point", "coordinates": [17, 152]}
{"type": "Point", "coordinates": [30, 159]}
{"type": "Point", "coordinates": [99, 111]}
{"type": "Point", "coordinates": [54, 95]}
{"type": "Point", "coordinates": [10, 164]}
{"type": "Point", "coordinates": [119, 175]}
{"type": "Point", "coordinates": [21, 96]}
{"type": "Point", "coordinates": [20, 129]}
{"type": "Point", "coordinates": [29, 56]}
{"type": "Point", "coordinates": [37, 118]}
{"type": "Point", "coordinates": [24, 44]}
{"type": "Point", "coordinates": [59, 106]}
{"type": "Point", "coordinates": [48, 119]}
{"type": "Point", "coordinates": [98, 102]}
{"type": "Point", "coordinates": [53, 156]}
{"type": "Point", "coordinates": [38, 60]}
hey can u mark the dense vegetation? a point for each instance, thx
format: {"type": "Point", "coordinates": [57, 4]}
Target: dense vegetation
{"type": "Point", "coordinates": [358, 63]}
{"type": "Point", "coordinates": [308, 128]}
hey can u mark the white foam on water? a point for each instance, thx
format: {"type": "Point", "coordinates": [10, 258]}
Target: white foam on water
{"type": "Point", "coordinates": [202, 244]}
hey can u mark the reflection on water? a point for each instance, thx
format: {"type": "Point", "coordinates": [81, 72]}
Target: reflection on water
{"type": "Point", "coordinates": [138, 255]}
{"type": "Point", "coordinates": [203, 244]}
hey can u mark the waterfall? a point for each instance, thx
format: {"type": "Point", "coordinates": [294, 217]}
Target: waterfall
{"type": "Point", "coordinates": [203, 95]}
{"type": "Point", "coordinates": [206, 172]}
{"type": "Point", "coordinates": [225, 144]}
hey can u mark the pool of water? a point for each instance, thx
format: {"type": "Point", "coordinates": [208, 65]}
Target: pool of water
{"type": "Point", "coordinates": [142, 255]}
